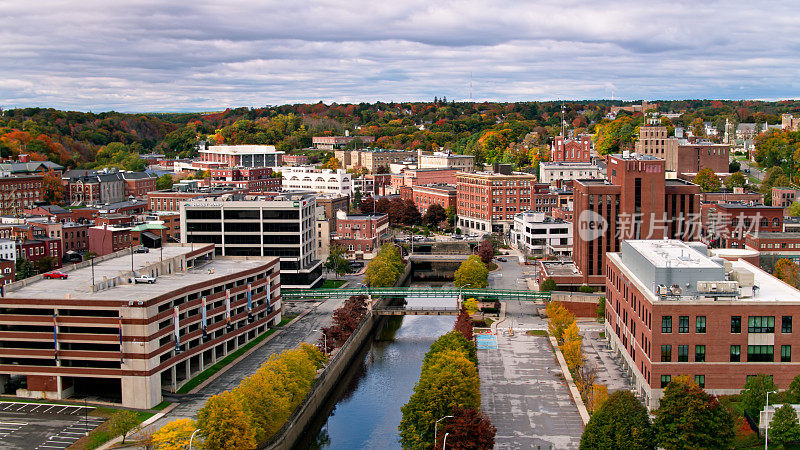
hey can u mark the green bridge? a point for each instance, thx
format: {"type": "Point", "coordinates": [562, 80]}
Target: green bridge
{"type": "Point", "coordinates": [446, 292]}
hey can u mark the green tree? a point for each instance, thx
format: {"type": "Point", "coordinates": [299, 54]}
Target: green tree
{"type": "Point", "coordinates": [471, 272]}
{"type": "Point", "coordinates": [736, 180]}
{"type": "Point", "coordinates": [754, 394]}
{"type": "Point", "coordinates": [336, 262]}
{"type": "Point", "coordinates": [44, 264]}
{"type": "Point", "coordinates": [224, 424]}
{"type": "Point", "coordinates": [164, 182]}
{"type": "Point", "coordinates": [548, 285]}
{"type": "Point", "coordinates": [794, 209]}
{"type": "Point", "coordinates": [601, 309]}
{"type": "Point", "coordinates": [122, 422]}
{"type": "Point", "coordinates": [453, 340]}
{"type": "Point", "coordinates": [689, 418]}
{"type": "Point", "coordinates": [451, 215]}
{"type": "Point", "coordinates": [784, 428]}
{"type": "Point", "coordinates": [792, 395]}
{"type": "Point", "coordinates": [707, 180]}
{"type": "Point", "coordinates": [586, 289]}
{"type": "Point", "coordinates": [23, 269]}
{"type": "Point", "coordinates": [622, 422]}
{"type": "Point", "coordinates": [385, 268]}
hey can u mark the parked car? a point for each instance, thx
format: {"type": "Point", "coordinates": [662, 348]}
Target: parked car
{"type": "Point", "coordinates": [142, 250]}
{"type": "Point", "coordinates": [144, 279]}
{"type": "Point", "coordinates": [357, 264]}
{"type": "Point", "coordinates": [56, 275]}
{"type": "Point", "coordinates": [501, 259]}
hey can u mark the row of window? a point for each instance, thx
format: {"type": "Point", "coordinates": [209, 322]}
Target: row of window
{"type": "Point", "coordinates": [755, 324]}
{"type": "Point", "coordinates": [700, 380]}
{"type": "Point", "coordinates": [755, 353]}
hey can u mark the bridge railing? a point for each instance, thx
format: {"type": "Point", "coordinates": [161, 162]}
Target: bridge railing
{"type": "Point", "coordinates": [449, 292]}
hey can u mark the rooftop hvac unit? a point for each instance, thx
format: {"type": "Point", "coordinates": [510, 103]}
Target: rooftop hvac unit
{"type": "Point", "coordinates": [717, 287]}
{"type": "Point", "coordinates": [675, 290]}
{"type": "Point", "coordinates": [662, 289]}
{"type": "Point", "coordinates": [743, 276]}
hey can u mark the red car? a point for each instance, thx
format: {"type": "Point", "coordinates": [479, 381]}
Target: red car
{"type": "Point", "coordinates": [56, 275]}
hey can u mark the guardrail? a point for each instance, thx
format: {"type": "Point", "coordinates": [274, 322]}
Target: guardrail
{"type": "Point", "coordinates": [499, 294]}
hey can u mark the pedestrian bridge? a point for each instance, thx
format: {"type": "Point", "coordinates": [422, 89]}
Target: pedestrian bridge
{"type": "Point", "coordinates": [414, 311]}
{"type": "Point", "coordinates": [428, 292]}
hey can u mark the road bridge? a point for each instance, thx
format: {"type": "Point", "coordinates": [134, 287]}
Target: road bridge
{"type": "Point", "coordinates": [428, 292]}
{"type": "Point", "coordinates": [415, 311]}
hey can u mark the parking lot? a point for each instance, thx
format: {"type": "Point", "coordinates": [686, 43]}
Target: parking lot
{"type": "Point", "coordinates": [43, 425]}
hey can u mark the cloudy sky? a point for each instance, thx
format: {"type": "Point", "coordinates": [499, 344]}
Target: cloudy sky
{"type": "Point", "coordinates": [205, 55]}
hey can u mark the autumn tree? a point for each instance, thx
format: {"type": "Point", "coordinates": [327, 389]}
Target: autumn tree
{"type": "Point", "coordinates": [559, 320]}
{"type": "Point", "coordinates": [52, 188]}
{"type": "Point", "coordinates": [794, 209]}
{"type": "Point", "coordinates": [548, 285]}
{"type": "Point", "coordinates": [122, 422]}
{"type": "Point", "coordinates": [385, 268]}
{"type": "Point", "coordinates": [434, 215]}
{"type": "Point", "coordinates": [596, 398]}
{"type": "Point", "coordinates": [175, 435]}
{"type": "Point", "coordinates": [345, 320]}
{"type": "Point", "coordinates": [164, 182]}
{"type": "Point", "coordinates": [784, 428]}
{"type": "Point", "coordinates": [471, 272]}
{"type": "Point", "coordinates": [224, 423]}
{"type": "Point", "coordinates": [690, 418]}
{"type": "Point", "coordinates": [464, 324]}
{"type": "Point", "coordinates": [332, 163]}
{"type": "Point", "coordinates": [467, 429]}
{"type": "Point", "coordinates": [754, 394]}
{"type": "Point", "coordinates": [736, 179]}
{"type": "Point", "coordinates": [707, 180]}
{"type": "Point", "coordinates": [471, 305]}
{"type": "Point", "coordinates": [621, 422]}
{"type": "Point", "coordinates": [571, 347]}
{"type": "Point", "coordinates": [456, 341]}
{"type": "Point", "coordinates": [486, 251]}
{"type": "Point", "coordinates": [787, 271]}
{"type": "Point", "coordinates": [367, 205]}
{"type": "Point", "coordinates": [336, 262]}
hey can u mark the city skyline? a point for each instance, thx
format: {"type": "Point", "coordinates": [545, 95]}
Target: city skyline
{"type": "Point", "coordinates": [153, 56]}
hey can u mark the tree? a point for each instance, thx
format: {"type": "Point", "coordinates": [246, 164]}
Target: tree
{"type": "Point", "coordinates": [175, 435]}
{"type": "Point", "coordinates": [468, 429]}
{"type": "Point", "coordinates": [453, 341]}
{"type": "Point", "coordinates": [224, 424]}
{"type": "Point", "coordinates": [559, 319]}
{"type": "Point", "coordinates": [571, 348]}
{"type": "Point", "coordinates": [336, 262]}
{"type": "Point", "coordinates": [737, 179]}
{"type": "Point", "coordinates": [52, 188]}
{"type": "Point", "coordinates": [784, 428]}
{"type": "Point", "coordinates": [794, 209]}
{"type": "Point", "coordinates": [44, 264]}
{"type": "Point", "coordinates": [357, 198]}
{"type": "Point", "coordinates": [332, 163]}
{"type": "Point", "coordinates": [787, 271]}
{"type": "Point", "coordinates": [385, 268]}
{"type": "Point", "coordinates": [122, 422]}
{"type": "Point", "coordinates": [434, 215]}
{"type": "Point", "coordinates": [586, 289]}
{"type": "Point", "coordinates": [734, 166]}
{"type": "Point", "coordinates": [382, 205]}
{"type": "Point", "coordinates": [367, 205]}
{"type": "Point", "coordinates": [601, 309]}
{"type": "Point", "coordinates": [754, 394]}
{"type": "Point", "coordinates": [410, 214]}
{"type": "Point", "coordinates": [792, 395]}
{"type": "Point", "coordinates": [464, 324]}
{"type": "Point", "coordinates": [451, 215]}
{"type": "Point", "coordinates": [707, 180]}
{"type": "Point", "coordinates": [471, 272]}
{"type": "Point", "coordinates": [23, 269]}
{"type": "Point", "coordinates": [486, 251]}
{"type": "Point", "coordinates": [597, 396]}
{"type": "Point", "coordinates": [689, 418]}
{"type": "Point", "coordinates": [622, 422]}
{"type": "Point", "coordinates": [548, 285]}
{"type": "Point", "coordinates": [164, 182]}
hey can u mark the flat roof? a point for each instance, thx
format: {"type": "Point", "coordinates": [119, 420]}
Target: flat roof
{"type": "Point", "coordinates": [770, 289]}
{"type": "Point", "coordinates": [241, 149]}
{"type": "Point", "coordinates": [775, 234]}
{"type": "Point", "coordinates": [78, 285]}
{"type": "Point", "coordinates": [560, 268]}
{"type": "Point", "coordinates": [671, 253]}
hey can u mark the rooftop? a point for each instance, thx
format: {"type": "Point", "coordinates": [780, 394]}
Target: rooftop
{"type": "Point", "coordinates": [671, 253]}
{"type": "Point", "coordinates": [241, 149]}
{"type": "Point", "coordinates": [560, 268]}
{"type": "Point", "coordinates": [775, 234]}
{"type": "Point", "coordinates": [78, 285]}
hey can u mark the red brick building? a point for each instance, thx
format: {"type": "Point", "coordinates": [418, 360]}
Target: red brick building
{"type": "Point", "coordinates": [671, 310]}
{"type": "Point", "coordinates": [18, 193]}
{"type": "Point", "coordinates": [420, 177]}
{"type": "Point", "coordinates": [361, 234]}
{"type": "Point", "coordinates": [252, 179]}
{"type": "Point", "coordinates": [170, 200]}
{"type": "Point", "coordinates": [443, 195]}
{"type": "Point", "coordinates": [7, 271]}
{"type": "Point", "coordinates": [726, 224]}
{"type": "Point", "coordinates": [694, 157]}
{"type": "Point", "coordinates": [36, 249]}
{"type": "Point", "coordinates": [488, 201]}
{"type": "Point", "coordinates": [108, 239]}
{"type": "Point", "coordinates": [774, 245]}
{"type": "Point", "coordinates": [572, 150]}
{"type": "Point", "coordinates": [783, 196]}
{"type": "Point", "coordinates": [138, 184]}
{"type": "Point", "coordinates": [738, 195]}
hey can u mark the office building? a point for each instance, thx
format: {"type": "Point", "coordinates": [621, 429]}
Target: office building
{"type": "Point", "coordinates": [538, 234]}
{"type": "Point", "coordinates": [560, 172]}
{"type": "Point", "coordinates": [488, 201]}
{"type": "Point", "coordinates": [361, 235]}
{"type": "Point", "coordinates": [242, 155]}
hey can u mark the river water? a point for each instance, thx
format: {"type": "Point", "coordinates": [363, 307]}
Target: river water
{"type": "Point", "coordinates": [366, 412]}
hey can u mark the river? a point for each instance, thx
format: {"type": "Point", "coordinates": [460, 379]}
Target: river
{"type": "Point", "coordinates": [366, 409]}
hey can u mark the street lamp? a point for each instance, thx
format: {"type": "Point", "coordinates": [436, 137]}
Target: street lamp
{"type": "Point", "coordinates": [192, 437]}
{"type": "Point", "coordinates": [458, 300]}
{"type": "Point", "coordinates": [324, 339]}
{"type": "Point", "coordinates": [766, 427]}
{"type": "Point", "coordinates": [436, 429]}
{"type": "Point", "coordinates": [444, 442]}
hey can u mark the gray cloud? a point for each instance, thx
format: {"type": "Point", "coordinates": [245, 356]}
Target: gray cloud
{"type": "Point", "coordinates": [201, 55]}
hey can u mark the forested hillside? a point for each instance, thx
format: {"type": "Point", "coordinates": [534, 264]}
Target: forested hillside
{"type": "Point", "coordinates": [518, 133]}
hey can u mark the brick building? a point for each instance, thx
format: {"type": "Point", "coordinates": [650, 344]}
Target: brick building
{"type": "Point", "coordinates": [241, 156]}
{"type": "Point", "coordinates": [783, 196]}
{"type": "Point", "coordinates": [108, 239]}
{"type": "Point", "coordinates": [443, 195]}
{"type": "Point", "coordinates": [361, 234]}
{"type": "Point", "coordinates": [19, 192]}
{"type": "Point", "coordinates": [671, 310]}
{"type": "Point", "coordinates": [169, 200]}
{"type": "Point", "coordinates": [739, 195]}
{"type": "Point", "coordinates": [35, 249]}
{"type": "Point", "coordinates": [694, 157]}
{"type": "Point", "coordinates": [251, 179]}
{"type": "Point", "coordinates": [726, 224]}
{"type": "Point", "coordinates": [488, 201]}
{"type": "Point", "coordinates": [172, 224]}
{"type": "Point", "coordinates": [420, 177]}
{"type": "Point", "coordinates": [774, 245]}
{"type": "Point", "coordinates": [572, 150]}
{"type": "Point", "coordinates": [103, 336]}
{"type": "Point", "coordinates": [654, 140]}
{"type": "Point", "coordinates": [93, 187]}
{"type": "Point", "coordinates": [138, 184]}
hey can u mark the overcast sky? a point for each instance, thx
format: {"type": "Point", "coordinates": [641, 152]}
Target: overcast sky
{"type": "Point", "coordinates": [201, 55]}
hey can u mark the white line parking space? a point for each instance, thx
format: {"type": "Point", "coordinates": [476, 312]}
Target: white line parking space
{"type": "Point", "coordinates": [44, 408]}
{"type": "Point", "coordinates": [72, 433]}
{"type": "Point", "coordinates": [8, 428]}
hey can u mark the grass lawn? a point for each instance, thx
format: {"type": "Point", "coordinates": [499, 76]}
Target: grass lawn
{"type": "Point", "coordinates": [332, 284]}
{"type": "Point", "coordinates": [491, 266]}
{"type": "Point", "coordinates": [536, 333]}
{"type": "Point", "coordinates": [206, 374]}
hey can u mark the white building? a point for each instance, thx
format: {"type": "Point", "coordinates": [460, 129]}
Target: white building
{"type": "Point", "coordinates": [537, 234]}
{"type": "Point", "coordinates": [7, 250]}
{"type": "Point", "coordinates": [446, 160]}
{"type": "Point", "coordinates": [243, 155]}
{"type": "Point", "coordinates": [565, 171]}
{"type": "Point", "coordinates": [319, 180]}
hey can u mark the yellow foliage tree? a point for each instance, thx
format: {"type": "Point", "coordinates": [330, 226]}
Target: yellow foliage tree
{"type": "Point", "coordinates": [174, 435]}
{"type": "Point", "coordinates": [224, 424]}
{"type": "Point", "coordinates": [571, 348]}
{"type": "Point", "coordinates": [787, 271]}
{"type": "Point", "coordinates": [560, 319]}
{"type": "Point", "coordinates": [596, 398]}
{"type": "Point", "coordinates": [471, 305]}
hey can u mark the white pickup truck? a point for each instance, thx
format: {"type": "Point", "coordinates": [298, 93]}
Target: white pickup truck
{"type": "Point", "coordinates": [144, 279]}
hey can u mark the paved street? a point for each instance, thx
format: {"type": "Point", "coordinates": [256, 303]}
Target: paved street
{"type": "Point", "coordinates": [524, 396]}
{"type": "Point", "coordinates": [289, 337]}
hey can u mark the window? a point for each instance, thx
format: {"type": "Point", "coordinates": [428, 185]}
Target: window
{"type": "Point", "coordinates": [760, 353]}
{"type": "Point", "coordinates": [683, 353]}
{"type": "Point", "coordinates": [666, 353]}
{"type": "Point", "coordinates": [786, 324]}
{"type": "Point", "coordinates": [786, 353]}
{"type": "Point", "coordinates": [665, 379]}
{"type": "Point", "coordinates": [683, 324]}
{"type": "Point", "coordinates": [700, 324]}
{"type": "Point", "coordinates": [736, 353]}
{"type": "Point", "coordinates": [736, 324]}
{"type": "Point", "coordinates": [666, 324]}
{"type": "Point", "coordinates": [761, 324]}
{"type": "Point", "coordinates": [699, 353]}
{"type": "Point", "coordinates": [700, 380]}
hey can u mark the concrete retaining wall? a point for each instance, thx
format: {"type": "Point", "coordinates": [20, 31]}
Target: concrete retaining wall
{"type": "Point", "coordinates": [578, 303]}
